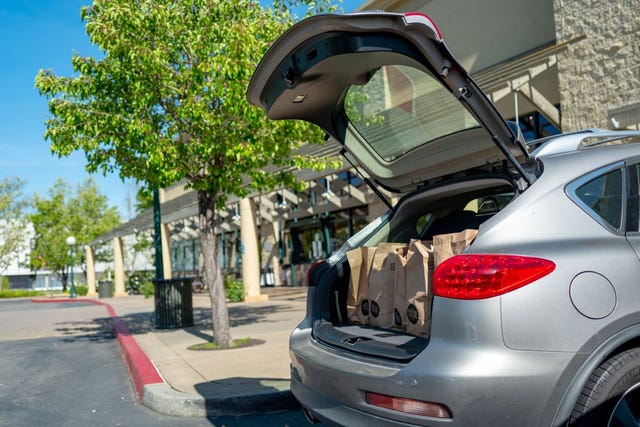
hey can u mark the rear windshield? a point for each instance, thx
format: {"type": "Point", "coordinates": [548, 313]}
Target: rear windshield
{"type": "Point", "coordinates": [401, 108]}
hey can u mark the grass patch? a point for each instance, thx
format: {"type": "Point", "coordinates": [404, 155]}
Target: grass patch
{"type": "Point", "coordinates": [241, 342]}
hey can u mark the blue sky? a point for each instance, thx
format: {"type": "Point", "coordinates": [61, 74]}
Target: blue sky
{"type": "Point", "coordinates": [39, 34]}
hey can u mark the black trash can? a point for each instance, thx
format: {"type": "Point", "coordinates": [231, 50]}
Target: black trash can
{"type": "Point", "coordinates": [105, 289]}
{"type": "Point", "coordinates": [173, 303]}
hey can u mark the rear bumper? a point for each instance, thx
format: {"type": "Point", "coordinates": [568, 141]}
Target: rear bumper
{"type": "Point", "coordinates": [481, 385]}
{"type": "Point", "coordinates": [333, 413]}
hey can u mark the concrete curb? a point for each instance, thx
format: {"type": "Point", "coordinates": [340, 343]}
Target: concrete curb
{"type": "Point", "coordinates": [166, 400]}
{"type": "Point", "coordinates": [154, 393]}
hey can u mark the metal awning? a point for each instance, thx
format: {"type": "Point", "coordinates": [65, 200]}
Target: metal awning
{"type": "Point", "coordinates": [339, 195]}
{"type": "Point", "coordinates": [516, 75]}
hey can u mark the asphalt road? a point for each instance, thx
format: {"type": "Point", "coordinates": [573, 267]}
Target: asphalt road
{"type": "Point", "coordinates": [61, 365]}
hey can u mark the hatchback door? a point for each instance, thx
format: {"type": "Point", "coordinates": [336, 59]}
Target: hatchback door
{"type": "Point", "coordinates": [386, 87]}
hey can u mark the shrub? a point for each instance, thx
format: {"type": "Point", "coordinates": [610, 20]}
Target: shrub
{"type": "Point", "coordinates": [4, 283]}
{"type": "Point", "coordinates": [136, 279]}
{"type": "Point", "coordinates": [146, 288]}
{"type": "Point", "coordinates": [233, 289]}
{"type": "Point", "coordinates": [82, 290]}
{"type": "Point", "coordinates": [19, 293]}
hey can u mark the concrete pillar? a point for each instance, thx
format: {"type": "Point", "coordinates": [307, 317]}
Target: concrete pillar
{"type": "Point", "coordinates": [91, 271]}
{"type": "Point", "coordinates": [118, 267]}
{"type": "Point", "coordinates": [166, 251]}
{"type": "Point", "coordinates": [233, 255]}
{"type": "Point", "coordinates": [275, 259]}
{"type": "Point", "coordinates": [250, 257]}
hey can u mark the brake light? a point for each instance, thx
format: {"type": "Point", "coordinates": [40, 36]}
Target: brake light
{"type": "Point", "coordinates": [487, 275]}
{"type": "Point", "coordinates": [424, 19]}
{"type": "Point", "coordinates": [408, 406]}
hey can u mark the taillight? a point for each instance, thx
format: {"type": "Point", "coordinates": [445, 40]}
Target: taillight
{"type": "Point", "coordinates": [408, 406]}
{"type": "Point", "coordinates": [487, 275]}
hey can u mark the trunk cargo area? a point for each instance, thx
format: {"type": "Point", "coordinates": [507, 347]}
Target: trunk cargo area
{"type": "Point", "coordinates": [382, 321]}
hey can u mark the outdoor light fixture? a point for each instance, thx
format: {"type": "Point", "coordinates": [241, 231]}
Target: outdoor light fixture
{"type": "Point", "coordinates": [71, 241]}
{"type": "Point", "coordinates": [283, 205]}
{"type": "Point", "coordinates": [236, 216]}
{"type": "Point", "coordinates": [615, 123]}
{"type": "Point", "coordinates": [327, 192]}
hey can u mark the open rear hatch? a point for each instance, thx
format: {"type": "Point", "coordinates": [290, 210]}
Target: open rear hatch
{"type": "Point", "coordinates": [386, 87]}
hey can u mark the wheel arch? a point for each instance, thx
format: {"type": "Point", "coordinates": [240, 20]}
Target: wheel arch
{"type": "Point", "coordinates": [622, 340]}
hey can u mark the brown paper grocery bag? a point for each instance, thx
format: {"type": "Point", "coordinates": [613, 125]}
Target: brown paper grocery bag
{"type": "Point", "coordinates": [416, 308]}
{"type": "Point", "coordinates": [447, 245]}
{"type": "Point", "coordinates": [354, 257]}
{"type": "Point", "coordinates": [381, 284]}
{"type": "Point", "coordinates": [360, 260]}
{"type": "Point", "coordinates": [400, 293]}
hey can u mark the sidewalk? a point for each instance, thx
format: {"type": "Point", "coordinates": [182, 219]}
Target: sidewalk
{"type": "Point", "coordinates": [209, 382]}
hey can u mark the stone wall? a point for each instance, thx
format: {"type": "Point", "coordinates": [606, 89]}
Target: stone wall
{"type": "Point", "coordinates": [599, 76]}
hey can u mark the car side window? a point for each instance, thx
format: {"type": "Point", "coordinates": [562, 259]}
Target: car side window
{"type": "Point", "coordinates": [633, 201]}
{"type": "Point", "coordinates": [422, 222]}
{"type": "Point", "coordinates": [604, 196]}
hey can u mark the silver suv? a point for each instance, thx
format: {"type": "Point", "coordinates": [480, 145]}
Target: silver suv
{"type": "Point", "coordinates": [537, 321]}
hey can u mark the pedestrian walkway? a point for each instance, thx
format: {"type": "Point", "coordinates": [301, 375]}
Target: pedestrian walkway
{"type": "Point", "coordinates": [210, 382]}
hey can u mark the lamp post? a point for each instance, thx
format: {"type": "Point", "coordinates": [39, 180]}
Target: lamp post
{"type": "Point", "coordinates": [71, 241]}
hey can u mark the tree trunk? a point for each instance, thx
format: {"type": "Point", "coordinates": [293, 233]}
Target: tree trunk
{"type": "Point", "coordinates": [212, 272]}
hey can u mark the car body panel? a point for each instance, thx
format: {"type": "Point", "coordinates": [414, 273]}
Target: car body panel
{"type": "Point", "coordinates": [520, 358]}
{"type": "Point", "coordinates": [472, 342]}
{"type": "Point", "coordinates": [465, 366]}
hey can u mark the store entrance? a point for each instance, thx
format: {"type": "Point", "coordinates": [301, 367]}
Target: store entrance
{"type": "Point", "coordinates": [313, 239]}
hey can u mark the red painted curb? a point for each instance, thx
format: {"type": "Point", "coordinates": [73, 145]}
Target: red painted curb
{"type": "Point", "coordinates": [141, 369]}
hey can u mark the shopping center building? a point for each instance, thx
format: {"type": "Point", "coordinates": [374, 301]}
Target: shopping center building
{"type": "Point", "coordinates": [550, 65]}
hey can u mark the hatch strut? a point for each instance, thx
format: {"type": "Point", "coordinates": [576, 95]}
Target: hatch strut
{"type": "Point", "coordinates": [343, 152]}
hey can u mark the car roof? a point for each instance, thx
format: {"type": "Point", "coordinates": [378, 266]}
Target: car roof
{"type": "Point", "coordinates": [564, 167]}
{"type": "Point", "coordinates": [582, 140]}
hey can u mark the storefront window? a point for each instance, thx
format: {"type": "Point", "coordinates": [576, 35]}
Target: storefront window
{"type": "Point", "coordinates": [184, 256]}
{"type": "Point", "coordinates": [314, 239]}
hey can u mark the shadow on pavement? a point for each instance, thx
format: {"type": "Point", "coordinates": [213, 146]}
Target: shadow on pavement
{"type": "Point", "coordinates": [101, 329]}
{"type": "Point", "coordinates": [98, 330]}
{"type": "Point", "coordinates": [246, 395]}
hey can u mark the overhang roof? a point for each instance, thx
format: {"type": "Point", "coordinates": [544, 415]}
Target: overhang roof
{"type": "Point", "coordinates": [186, 205]}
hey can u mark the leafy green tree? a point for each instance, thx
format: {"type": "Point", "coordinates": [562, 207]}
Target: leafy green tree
{"type": "Point", "coordinates": [144, 200]}
{"type": "Point", "coordinates": [13, 224]}
{"type": "Point", "coordinates": [50, 248]}
{"type": "Point", "coordinates": [92, 217]}
{"type": "Point", "coordinates": [141, 243]}
{"type": "Point", "coordinates": [167, 102]}
{"type": "Point", "coordinates": [83, 214]}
